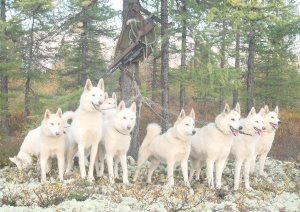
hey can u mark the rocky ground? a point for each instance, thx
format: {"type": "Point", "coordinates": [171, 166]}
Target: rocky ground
{"type": "Point", "coordinates": [280, 191]}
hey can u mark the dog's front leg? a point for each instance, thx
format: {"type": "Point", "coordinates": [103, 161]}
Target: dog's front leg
{"type": "Point", "coordinates": [252, 167]}
{"type": "Point", "coordinates": [43, 162]}
{"type": "Point", "coordinates": [110, 164]}
{"type": "Point", "coordinates": [237, 172]}
{"type": "Point", "coordinates": [184, 169]}
{"type": "Point", "coordinates": [81, 160]}
{"type": "Point", "coordinates": [219, 170]}
{"type": "Point", "coordinates": [61, 164]}
{"type": "Point", "coordinates": [93, 154]}
{"type": "Point", "coordinates": [170, 165]}
{"type": "Point", "coordinates": [210, 172]}
{"type": "Point", "coordinates": [123, 161]}
{"type": "Point", "coordinates": [246, 173]}
{"type": "Point", "coordinates": [262, 161]}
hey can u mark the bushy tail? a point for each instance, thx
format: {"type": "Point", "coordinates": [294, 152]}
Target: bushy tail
{"type": "Point", "coordinates": [153, 130]}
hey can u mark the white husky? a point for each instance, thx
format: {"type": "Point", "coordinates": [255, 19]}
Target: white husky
{"type": "Point", "coordinates": [243, 146]}
{"type": "Point", "coordinates": [31, 145]}
{"type": "Point", "coordinates": [108, 109]}
{"type": "Point", "coordinates": [85, 131]}
{"type": "Point", "coordinates": [212, 144]}
{"type": "Point", "coordinates": [271, 121]}
{"type": "Point", "coordinates": [52, 142]}
{"type": "Point", "coordinates": [117, 138]}
{"type": "Point", "coordinates": [173, 147]}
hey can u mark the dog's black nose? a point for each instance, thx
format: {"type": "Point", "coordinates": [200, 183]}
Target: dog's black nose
{"type": "Point", "coordinates": [263, 128]}
{"type": "Point", "coordinates": [279, 122]}
{"type": "Point", "coordinates": [128, 127]}
{"type": "Point", "coordinates": [194, 132]}
{"type": "Point", "coordinates": [240, 127]}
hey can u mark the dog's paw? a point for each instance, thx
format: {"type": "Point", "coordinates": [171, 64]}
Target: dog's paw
{"type": "Point", "coordinates": [248, 188]}
{"type": "Point", "coordinates": [91, 178]}
{"type": "Point", "coordinates": [263, 174]}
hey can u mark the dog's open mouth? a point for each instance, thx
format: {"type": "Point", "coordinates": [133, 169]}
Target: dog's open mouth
{"type": "Point", "coordinates": [274, 126]}
{"type": "Point", "coordinates": [96, 106]}
{"type": "Point", "coordinates": [234, 131]}
{"type": "Point", "coordinates": [258, 131]}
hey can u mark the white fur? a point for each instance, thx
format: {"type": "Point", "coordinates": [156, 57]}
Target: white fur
{"type": "Point", "coordinates": [85, 131]}
{"type": "Point", "coordinates": [173, 147]}
{"type": "Point", "coordinates": [271, 121]}
{"type": "Point", "coordinates": [31, 145]}
{"type": "Point", "coordinates": [117, 139]}
{"type": "Point", "coordinates": [212, 143]}
{"type": "Point", "coordinates": [243, 146]}
{"type": "Point", "coordinates": [108, 110]}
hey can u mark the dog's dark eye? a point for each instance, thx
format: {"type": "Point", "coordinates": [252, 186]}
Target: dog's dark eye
{"type": "Point", "coordinates": [256, 121]}
{"type": "Point", "coordinates": [58, 124]}
{"type": "Point", "coordinates": [52, 123]}
{"type": "Point", "coordinates": [93, 95]}
{"type": "Point", "coordinates": [124, 117]}
{"type": "Point", "coordinates": [232, 119]}
{"type": "Point", "coordinates": [187, 124]}
{"type": "Point", "coordinates": [109, 103]}
{"type": "Point", "coordinates": [272, 117]}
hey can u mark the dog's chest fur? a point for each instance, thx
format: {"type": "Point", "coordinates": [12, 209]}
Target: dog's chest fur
{"type": "Point", "coordinates": [244, 145]}
{"type": "Point", "coordinates": [115, 141]}
{"type": "Point", "coordinates": [265, 142]}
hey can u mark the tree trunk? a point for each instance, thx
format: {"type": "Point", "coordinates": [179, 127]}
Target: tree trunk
{"type": "Point", "coordinates": [29, 70]}
{"type": "Point", "coordinates": [165, 64]}
{"type": "Point", "coordinates": [154, 79]}
{"type": "Point", "coordinates": [183, 54]}
{"type": "Point", "coordinates": [4, 83]}
{"type": "Point", "coordinates": [129, 82]}
{"type": "Point", "coordinates": [235, 92]}
{"type": "Point", "coordinates": [222, 66]}
{"type": "Point", "coordinates": [84, 50]}
{"type": "Point", "coordinates": [250, 72]}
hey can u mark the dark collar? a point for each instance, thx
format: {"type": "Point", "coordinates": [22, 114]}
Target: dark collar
{"type": "Point", "coordinates": [245, 133]}
{"type": "Point", "coordinates": [120, 132]}
{"type": "Point", "coordinates": [219, 129]}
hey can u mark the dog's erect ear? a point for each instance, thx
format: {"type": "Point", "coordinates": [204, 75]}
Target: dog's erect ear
{"type": "Point", "coordinates": [238, 108]}
{"type": "Point", "coordinates": [121, 106]}
{"type": "Point", "coordinates": [133, 107]}
{"type": "Point", "coordinates": [262, 111]}
{"type": "Point", "coordinates": [106, 95]}
{"type": "Point", "coordinates": [114, 96]}
{"type": "Point", "coordinates": [181, 115]}
{"type": "Point", "coordinates": [88, 85]}
{"type": "Point", "coordinates": [101, 84]}
{"type": "Point", "coordinates": [266, 109]}
{"type": "Point", "coordinates": [277, 110]}
{"type": "Point", "coordinates": [252, 112]}
{"type": "Point", "coordinates": [47, 114]}
{"type": "Point", "coordinates": [226, 109]}
{"type": "Point", "coordinates": [59, 112]}
{"type": "Point", "coordinates": [192, 114]}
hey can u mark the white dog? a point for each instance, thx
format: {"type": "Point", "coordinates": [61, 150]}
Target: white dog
{"type": "Point", "coordinates": [271, 121]}
{"type": "Point", "coordinates": [31, 145]}
{"type": "Point", "coordinates": [173, 147]}
{"type": "Point", "coordinates": [108, 109]}
{"type": "Point", "coordinates": [243, 146]}
{"type": "Point", "coordinates": [52, 142]}
{"type": "Point", "coordinates": [117, 138]}
{"type": "Point", "coordinates": [86, 131]}
{"type": "Point", "coordinates": [212, 144]}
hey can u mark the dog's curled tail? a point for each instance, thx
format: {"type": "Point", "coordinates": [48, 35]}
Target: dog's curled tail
{"type": "Point", "coordinates": [153, 130]}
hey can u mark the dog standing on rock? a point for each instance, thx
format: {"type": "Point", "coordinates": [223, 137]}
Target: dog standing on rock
{"type": "Point", "coordinates": [173, 147]}
{"type": "Point", "coordinates": [86, 131]}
